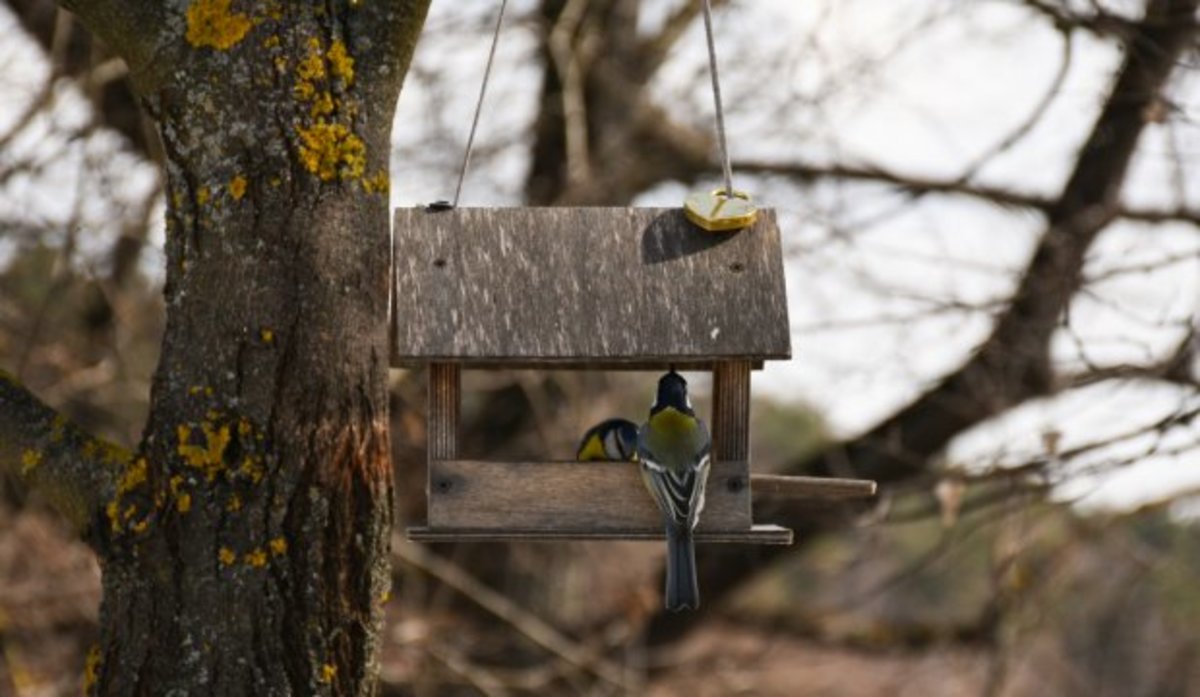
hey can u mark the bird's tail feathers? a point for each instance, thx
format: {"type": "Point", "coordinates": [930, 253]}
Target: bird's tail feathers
{"type": "Point", "coordinates": [683, 590]}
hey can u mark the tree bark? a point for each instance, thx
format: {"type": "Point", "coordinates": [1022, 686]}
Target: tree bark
{"type": "Point", "coordinates": [244, 543]}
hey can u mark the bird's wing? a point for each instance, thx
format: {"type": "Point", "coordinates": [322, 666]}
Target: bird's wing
{"type": "Point", "coordinates": [675, 491]}
{"type": "Point", "coordinates": [700, 474]}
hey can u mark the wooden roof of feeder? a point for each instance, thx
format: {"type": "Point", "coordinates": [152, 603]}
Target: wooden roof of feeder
{"type": "Point", "coordinates": [598, 288]}
{"type": "Point", "coordinates": [585, 287]}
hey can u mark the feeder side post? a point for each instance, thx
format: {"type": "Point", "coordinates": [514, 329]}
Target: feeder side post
{"type": "Point", "coordinates": [731, 411]}
{"type": "Point", "coordinates": [444, 403]}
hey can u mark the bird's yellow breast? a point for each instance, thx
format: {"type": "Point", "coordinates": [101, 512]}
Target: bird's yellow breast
{"type": "Point", "coordinates": [672, 424]}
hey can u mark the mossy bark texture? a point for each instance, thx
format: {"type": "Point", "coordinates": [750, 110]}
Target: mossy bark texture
{"type": "Point", "coordinates": [244, 543]}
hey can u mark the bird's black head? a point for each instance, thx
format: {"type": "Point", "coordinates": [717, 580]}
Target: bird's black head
{"type": "Point", "coordinates": [672, 392]}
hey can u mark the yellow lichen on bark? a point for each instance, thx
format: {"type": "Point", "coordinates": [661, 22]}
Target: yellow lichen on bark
{"type": "Point", "coordinates": [208, 457]}
{"type": "Point", "coordinates": [237, 187]}
{"type": "Point", "coordinates": [227, 556]}
{"type": "Point", "coordinates": [340, 62]}
{"type": "Point", "coordinates": [30, 459]}
{"type": "Point", "coordinates": [134, 476]}
{"type": "Point", "coordinates": [256, 558]}
{"type": "Point", "coordinates": [214, 24]}
{"type": "Point", "coordinates": [91, 669]}
{"type": "Point", "coordinates": [328, 673]}
{"type": "Point", "coordinates": [331, 150]}
{"type": "Point", "coordinates": [312, 66]}
{"type": "Point", "coordinates": [58, 428]}
{"type": "Point", "coordinates": [377, 183]}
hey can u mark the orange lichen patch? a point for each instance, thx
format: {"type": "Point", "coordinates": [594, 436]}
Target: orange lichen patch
{"type": "Point", "coordinates": [113, 512]}
{"type": "Point", "coordinates": [237, 187]}
{"type": "Point", "coordinates": [312, 66]}
{"type": "Point", "coordinates": [278, 546]}
{"type": "Point", "coordinates": [91, 668]}
{"type": "Point", "coordinates": [183, 503]}
{"type": "Point", "coordinates": [134, 476]}
{"type": "Point", "coordinates": [226, 556]}
{"type": "Point", "coordinates": [377, 183]}
{"type": "Point", "coordinates": [328, 673]}
{"type": "Point", "coordinates": [266, 335]}
{"type": "Point", "coordinates": [58, 428]}
{"type": "Point", "coordinates": [252, 468]}
{"type": "Point", "coordinates": [202, 195]}
{"type": "Point", "coordinates": [322, 105]}
{"type": "Point", "coordinates": [304, 91]}
{"type": "Point", "coordinates": [121, 512]}
{"type": "Point", "coordinates": [235, 504]}
{"type": "Point", "coordinates": [213, 23]}
{"type": "Point", "coordinates": [105, 452]}
{"type": "Point", "coordinates": [256, 558]}
{"type": "Point", "coordinates": [271, 41]}
{"type": "Point", "coordinates": [208, 457]}
{"type": "Point", "coordinates": [331, 150]}
{"type": "Point", "coordinates": [340, 62]}
{"type": "Point", "coordinates": [30, 459]}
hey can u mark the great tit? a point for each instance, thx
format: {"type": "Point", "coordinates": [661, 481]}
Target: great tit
{"type": "Point", "coordinates": [674, 448]}
{"type": "Point", "coordinates": [612, 439]}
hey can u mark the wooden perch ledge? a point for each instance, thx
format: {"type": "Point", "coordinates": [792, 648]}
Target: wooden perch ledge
{"type": "Point", "coordinates": [825, 488]}
{"type": "Point", "coordinates": [74, 471]}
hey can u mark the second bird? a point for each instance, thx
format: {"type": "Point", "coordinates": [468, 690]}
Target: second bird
{"type": "Point", "coordinates": [674, 449]}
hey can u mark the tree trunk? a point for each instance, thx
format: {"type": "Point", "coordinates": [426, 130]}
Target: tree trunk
{"type": "Point", "coordinates": [244, 544]}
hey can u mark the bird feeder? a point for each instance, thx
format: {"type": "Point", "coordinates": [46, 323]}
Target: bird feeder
{"type": "Point", "coordinates": [589, 289]}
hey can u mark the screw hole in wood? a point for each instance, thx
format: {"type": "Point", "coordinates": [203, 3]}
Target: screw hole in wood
{"type": "Point", "coordinates": [737, 267]}
{"type": "Point", "coordinates": [439, 263]}
{"type": "Point", "coordinates": [735, 484]}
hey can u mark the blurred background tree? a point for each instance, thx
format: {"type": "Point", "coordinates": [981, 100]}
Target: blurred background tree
{"type": "Point", "coordinates": [992, 214]}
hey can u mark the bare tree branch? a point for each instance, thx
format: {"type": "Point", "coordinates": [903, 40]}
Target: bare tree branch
{"type": "Point", "coordinates": [76, 472]}
{"type": "Point", "coordinates": [1175, 369]}
{"type": "Point", "coordinates": [1013, 364]}
{"type": "Point", "coordinates": [528, 625]}
{"type": "Point", "coordinates": [919, 186]}
{"type": "Point", "coordinates": [73, 53]}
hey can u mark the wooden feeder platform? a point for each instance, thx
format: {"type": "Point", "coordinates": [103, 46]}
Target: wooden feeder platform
{"type": "Point", "coordinates": [594, 289]}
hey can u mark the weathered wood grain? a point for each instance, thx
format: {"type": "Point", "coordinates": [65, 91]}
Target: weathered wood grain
{"type": "Point", "coordinates": [594, 496]}
{"type": "Point", "coordinates": [758, 534]}
{"type": "Point", "coordinates": [445, 384]}
{"type": "Point", "coordinates": [731, 411]}
{"type": "Point", "coordinates": [536, 286]}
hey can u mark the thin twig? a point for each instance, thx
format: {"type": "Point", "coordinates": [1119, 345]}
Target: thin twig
{"type": "Point", "coordinates": [529, 625]}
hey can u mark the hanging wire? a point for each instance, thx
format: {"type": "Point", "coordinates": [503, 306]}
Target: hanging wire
{"type": "Point", "coordinates": [487, 72]}
{"type": "Point", "coordinates": [716, 86]}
